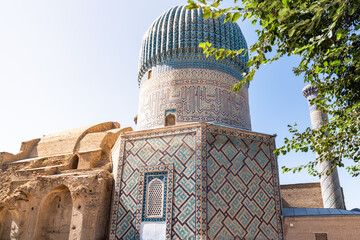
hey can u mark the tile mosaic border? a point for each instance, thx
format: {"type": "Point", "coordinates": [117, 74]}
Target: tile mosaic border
{"type": "Point", "coordinates": [276, 181]}
{"type": "Point", "coordinates": [116, 190]}
{"type": "Point", "coordinates": [228, 131]}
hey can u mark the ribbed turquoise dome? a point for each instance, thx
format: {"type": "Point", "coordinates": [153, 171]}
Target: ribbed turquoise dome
{"type": "Point", "coordinates": [176, 34]}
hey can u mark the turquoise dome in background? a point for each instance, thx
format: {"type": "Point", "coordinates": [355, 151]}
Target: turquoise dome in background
{"type": "Point", "coordinates": [176, 34]}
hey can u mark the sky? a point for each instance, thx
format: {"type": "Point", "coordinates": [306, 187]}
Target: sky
{"type": "Point", "coordinates": [66, 64]}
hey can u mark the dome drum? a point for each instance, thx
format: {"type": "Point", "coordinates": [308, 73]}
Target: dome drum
{"type": "Point", "coordinates": [193, 95]}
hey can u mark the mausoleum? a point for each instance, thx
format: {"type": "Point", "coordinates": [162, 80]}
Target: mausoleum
{"type": "Point", "coordinates": [193, 168]}
{"type": "Point", "coordinates": [218, 179]}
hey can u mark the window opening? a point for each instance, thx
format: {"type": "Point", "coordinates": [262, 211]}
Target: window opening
{"type": "Point", "coordinates": [170, 120]}
{"type": "Point", "coordinates": [155, 199]}
{"type": "Point", "coordinates": [321, 236]}
{"type": "Point", "coordinates": [74, 162]}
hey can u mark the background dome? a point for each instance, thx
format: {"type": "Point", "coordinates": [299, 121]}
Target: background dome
{"type": "Point", "coordinates": [177, 33]}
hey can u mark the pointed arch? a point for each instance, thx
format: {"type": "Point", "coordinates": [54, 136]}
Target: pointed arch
{"type": "Point", "coordinates": [74, 162]}
{"type": "Point", "coordinates": [155, 199]}
{"type": "Point", "coordinates": [9, 223]}
{"type": "Point", "coordinates": [55, 214]}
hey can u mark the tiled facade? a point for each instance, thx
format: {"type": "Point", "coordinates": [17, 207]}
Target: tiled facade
{"type": "Point", "coordinates": [225, 182]}
{"type": "Point", "coordinates": [243, 188]}
{"type": "Point", "coordinates": [197, 95]}
{"type": "Point", "coordinates": [158, 148]}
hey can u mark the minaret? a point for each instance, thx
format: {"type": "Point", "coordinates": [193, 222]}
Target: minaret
{"type": "Point", "coordinates": [330, 185]}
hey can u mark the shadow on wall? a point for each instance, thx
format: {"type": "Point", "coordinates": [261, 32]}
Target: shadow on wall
{"type": "Point", "coordinates": [55, 215]}
{"type": "Point", "coordinates": [9, 224]}
{"type": "Point", "coordinates": [74, 162]}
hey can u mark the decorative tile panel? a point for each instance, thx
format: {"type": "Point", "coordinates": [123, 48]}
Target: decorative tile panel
{"type": "Point", "coordinates": [243, 188]}
{"type": "Point", "coordinates": [195, 94]}
{"type": "Point", "coordinates": [147, 173]}
{"type": "Point", "coordinates": [180, 148]}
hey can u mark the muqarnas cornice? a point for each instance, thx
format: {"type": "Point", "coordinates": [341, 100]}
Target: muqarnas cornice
{"type": "Point", "coordinates": [310, 91]}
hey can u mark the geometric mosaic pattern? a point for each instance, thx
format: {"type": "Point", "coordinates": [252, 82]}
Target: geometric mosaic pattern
{"type": "Point", "coordinates": [243, 200]}
{"type": "Point", "coordinates": [177, 148]}
{"type": "Point", "coordinates": [225, 182]}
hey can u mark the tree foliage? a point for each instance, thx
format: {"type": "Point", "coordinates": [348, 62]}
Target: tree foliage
{"type": "Point", "coordinates": [325, 34]}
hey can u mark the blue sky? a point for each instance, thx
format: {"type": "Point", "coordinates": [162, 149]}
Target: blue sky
{"type": "Point", "coordinates": [66, 64]}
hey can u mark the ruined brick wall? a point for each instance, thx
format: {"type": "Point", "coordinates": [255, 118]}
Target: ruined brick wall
{"type": "Point", "coordinates": [59, 186]}
{"type": "Point", "coordinates": [61, 206]}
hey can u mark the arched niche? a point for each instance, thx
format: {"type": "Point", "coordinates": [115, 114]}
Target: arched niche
{"type": "Point", "coordinates": [74, 162]}
{"type": "Point", "coordinates": [155, 199]}
{"type": "Point", "coordinates": [55, 215]}
{"type": "Point", "coordinates": [9, 224]}
{"type": "Point", "coordinates": [170, 119]}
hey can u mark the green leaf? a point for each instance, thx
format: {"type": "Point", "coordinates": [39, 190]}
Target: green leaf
{"type": "Point", "coordinates": [215, 4]}
{"type": "Point", "coordinates": [292, 31]}
{"type": "Point", "coordinates": [192, 6]}
{"type": "Point", "coordinates": [207, 13]}
{"type": "Point", "coordinates": [228, 17]}
{"type": "Point", "coordinates": [283, 13]}
{"type": "Point", "coordinates": [285, 3]}
{"type": "Point", "coordinates": [324, 35]}
{"type": "Point", "coordinates": [235, 17]}
{"type": "Point", "coordinates": [254, 22]}
{"type": "Point", "coordinates": [216, 15]}
{"type": "Point", "coordinates": [338, 35]}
